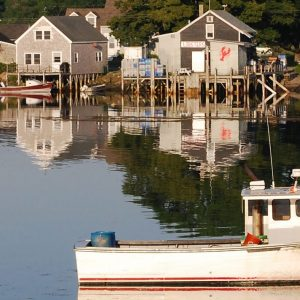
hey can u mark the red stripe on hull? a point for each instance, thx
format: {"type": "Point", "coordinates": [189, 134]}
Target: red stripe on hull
{"type": "Point", "coordinates": [166, 289]}
{"type": "Point", "coordinates": [22, 89]}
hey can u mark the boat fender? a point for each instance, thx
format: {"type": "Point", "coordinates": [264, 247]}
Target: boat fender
{"type": "Point", "coordinates": [251, 240]}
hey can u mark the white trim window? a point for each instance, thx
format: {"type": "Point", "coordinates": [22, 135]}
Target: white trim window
{"type": "Point", "coordinates": [47, 35]}
{"type": "Point", "coordinates": [32, 58]}
{"type": "Point", "coordinates": [56, 57]}
{"type": "Point", "coordinates": [36, 58]}
{"type": "Point", "coordinates": [209, 19]}
{"type": "Point", "coordinates": [40, 35]}
{"type": "Point", "coordinates": [92, 19]}
{"type": "Point", "coordinates": [210, 31]}
{"type": "Point", "coordinates": [99, 56]}
{"type": "Point", "coordinates": [76, 57]}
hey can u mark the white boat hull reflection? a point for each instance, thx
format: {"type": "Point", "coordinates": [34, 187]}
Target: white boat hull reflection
{"type": "Point", "coordinates": [203, 293]}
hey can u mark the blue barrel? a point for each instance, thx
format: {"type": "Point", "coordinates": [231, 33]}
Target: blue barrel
{"type": "Point", "coordinates": [103, 239]}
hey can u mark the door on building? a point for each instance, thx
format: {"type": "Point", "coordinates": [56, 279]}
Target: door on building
{"type": "Point", "coordinates": [198, 61]}
{"type": "Point", "coordinates": [56, 61]}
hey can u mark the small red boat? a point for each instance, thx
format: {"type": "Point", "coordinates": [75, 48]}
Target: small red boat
{"type": "Point", "coordinates": [31, 87]}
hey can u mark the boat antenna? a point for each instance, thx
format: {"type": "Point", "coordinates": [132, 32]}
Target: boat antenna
{"type": "Point", "coordinates": [270, 147]}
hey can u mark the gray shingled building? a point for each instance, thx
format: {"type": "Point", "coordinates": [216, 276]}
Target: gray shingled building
{"type": "Point", "coordinates": [52, 41]}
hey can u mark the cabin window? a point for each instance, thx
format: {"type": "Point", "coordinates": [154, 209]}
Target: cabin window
{"type": "Point", "coordinates": [76, 57]}
{"type": "Point", "coordinates": [47, 35]}
{"type": "Point", "coordinates": [209, 19]}
{"type": "Point", "coordinates": [99, 56]}
{"type": "Point", "coordinates": [297, 205]}
{"type": "Point", "coordinates": [281, 209]}
{"type": "Point", "coordinates": [260, 205]}
{"type": "Point", "coordinates": [210, 31]}
{"type": "Point", "coordinates": [39, 35]}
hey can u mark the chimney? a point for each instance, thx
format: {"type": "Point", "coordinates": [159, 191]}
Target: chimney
{"type": "Point", "coordinates": [201, 9]}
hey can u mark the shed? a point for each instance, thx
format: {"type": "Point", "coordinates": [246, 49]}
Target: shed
{"type": "Point", "coordinates": [214, 40]}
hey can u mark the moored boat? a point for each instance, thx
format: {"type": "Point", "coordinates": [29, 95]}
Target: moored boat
{"type": "Point", "coordinates": [32, 87]}
{"type": "Point", "coordinates": [92, 88]}
{"type": "Point", "coordinates": [269, 254]}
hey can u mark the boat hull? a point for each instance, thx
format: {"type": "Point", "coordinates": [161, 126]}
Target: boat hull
{"type": "Point", "coordinates": [33, 89]}
{"type": "Point", "coordinates": [216, 265]}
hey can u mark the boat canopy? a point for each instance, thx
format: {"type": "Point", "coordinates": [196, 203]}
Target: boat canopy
{"type": "Point", "coordinates": [273, 213]}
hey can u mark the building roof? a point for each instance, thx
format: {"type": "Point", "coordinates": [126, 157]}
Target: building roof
{"type": "Point", "coordinates": [223, 14]}
{"type": "Point", "coordinates": [77, 29]}
{"type": "Point", "coordinates": [4, 39]}
{"type": "Point", "coordinates": [227, 18]}
{"type": "Point", "coordinates": [104, 14]}
{"type": "Point", "coordinates": [13, 31]}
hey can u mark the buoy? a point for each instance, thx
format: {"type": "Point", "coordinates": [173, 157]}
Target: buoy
{"type": "Point", "coordinates": [251, 240]}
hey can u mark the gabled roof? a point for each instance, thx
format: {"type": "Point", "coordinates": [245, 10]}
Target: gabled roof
{"type": "Point", "coordinates": [229, 18]}
{"type": "Point", "coordinates": [104, 14]}
{"type": "Point", "coordinates": [225, 17]}
{"type": "Point", "coordinates": [77, 29]}
{"type": "Point", "coordinates": [13, 31]}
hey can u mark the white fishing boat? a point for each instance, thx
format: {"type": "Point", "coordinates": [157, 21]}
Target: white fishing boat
{"type": "Point", "coordinates": [268, 255]}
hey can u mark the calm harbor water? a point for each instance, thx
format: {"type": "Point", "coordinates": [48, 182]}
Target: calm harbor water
{"type": "Point", "coordinates": [69, 168]}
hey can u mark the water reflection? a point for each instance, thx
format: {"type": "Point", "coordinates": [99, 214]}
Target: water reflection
{"type": "Point", "coordinates": [117, 164]}
{"type": "Point", "coordinates": [268, 293]}
{"type": "Point", "coordinates": [53, 132]}
{"type": "Point", "coordinates": [177, 160]}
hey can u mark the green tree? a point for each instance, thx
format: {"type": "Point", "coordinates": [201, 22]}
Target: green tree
{"type": "Point", "coordinates": [274, 20]}
{"type": "Point", "coordinates": [141, 19]}
{"type": "Point", "coordinates": [21, 11]}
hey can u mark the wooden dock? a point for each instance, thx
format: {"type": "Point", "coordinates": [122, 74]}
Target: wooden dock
{"type": "Point", "coordinates": [209, 87]}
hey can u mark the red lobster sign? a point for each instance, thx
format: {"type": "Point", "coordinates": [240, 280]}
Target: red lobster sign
{"type": "Point", "coordinates": [225, 51]}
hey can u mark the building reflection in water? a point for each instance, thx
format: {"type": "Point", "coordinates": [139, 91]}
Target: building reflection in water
{"type": "Point", "coordinates": [73, 129]}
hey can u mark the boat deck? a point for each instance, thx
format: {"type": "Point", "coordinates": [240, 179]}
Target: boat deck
{"type": "Point", "coordinates": [178, 243]}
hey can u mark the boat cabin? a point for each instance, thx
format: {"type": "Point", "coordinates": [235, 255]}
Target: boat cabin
{"type": "Point", "coordinates": [273, 214]}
